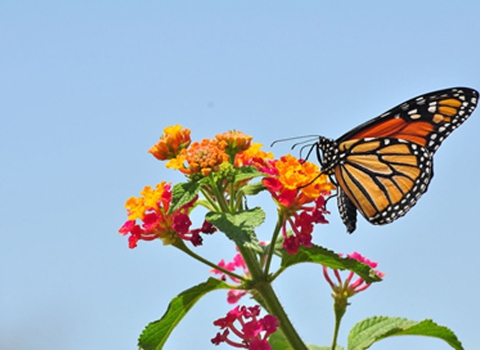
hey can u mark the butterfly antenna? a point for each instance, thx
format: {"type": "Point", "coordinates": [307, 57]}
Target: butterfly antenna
{"type": "Point", "coordinates": [311, 148]}
{"type": "Point", "coordinates": [295, 138]}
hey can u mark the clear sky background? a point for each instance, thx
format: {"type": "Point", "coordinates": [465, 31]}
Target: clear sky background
{"type": "Point", "coordinates": [87, 87]}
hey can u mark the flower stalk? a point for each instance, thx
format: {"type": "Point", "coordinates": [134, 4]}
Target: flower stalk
{"type": "Point", "coordinates": [179, 244]}
{"type": "Point", "coordinates": [271, 247]}
{"type": "Point", "coordinates": [275, 308]}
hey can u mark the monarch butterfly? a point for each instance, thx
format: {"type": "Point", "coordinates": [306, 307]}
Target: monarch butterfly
{"type": "Point", "coordinates": [382, 167]}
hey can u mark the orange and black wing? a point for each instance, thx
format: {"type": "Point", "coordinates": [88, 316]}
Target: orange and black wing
{"type": "Point", "coordinates": [425, 120]}
{"type": "Point", "coordinates": [381, 178]}
{"type": "Point", "coordinates": [384, 165]}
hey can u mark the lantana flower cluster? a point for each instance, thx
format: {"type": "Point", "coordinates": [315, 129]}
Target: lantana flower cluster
{"type": "Point", "coordinates": [151, 209]}
{"type": "Point", "coordinates": [244, 323]}
{"type": "Point", "coordinates": [295, 185]}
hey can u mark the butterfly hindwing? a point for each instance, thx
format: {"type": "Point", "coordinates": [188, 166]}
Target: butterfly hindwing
{"type": "Point", "coordinates": [347, 210]}
{"type": "Point", "coordinates": [383, 178]}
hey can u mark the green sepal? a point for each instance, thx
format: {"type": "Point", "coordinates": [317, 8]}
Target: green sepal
{"type": "Point", "coordinates": [373, 329]}
{"type": "Point", "coordinates": [239, 226]}
{"type": "Point", "coordinates": [203, 203]}
{"type": "Point", "coordinates": [156, 333]}
{"type": "Point", "coordinates": [252, 189]}
{"type": "Point", "coordinates": [328, 258]}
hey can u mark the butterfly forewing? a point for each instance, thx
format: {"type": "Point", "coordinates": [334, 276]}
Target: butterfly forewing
{"type": "Point", "coordinates": [384, 165]}
{"type": "Point", "coordinates": [425, 120]}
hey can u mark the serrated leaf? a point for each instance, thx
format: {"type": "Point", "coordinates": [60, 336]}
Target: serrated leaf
{"type": "Point", "coordinates": [156, 333]}
{"type": "Point", "coordinates": [183, 193]}
{"type": "Point", "coordinates": [239, 226]}
{"type": "Point", "coordinates": [319, 255]}
{"type": "Point", "coordinates": [373, 329]}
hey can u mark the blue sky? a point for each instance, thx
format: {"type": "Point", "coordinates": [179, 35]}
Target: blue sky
{"type": "Point", "coordinates": [87, 87]}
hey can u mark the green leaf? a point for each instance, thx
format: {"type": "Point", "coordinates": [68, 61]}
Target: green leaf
{"type": "Point", "coordinates": [247, 172]}
{"type": "Point", "coordinates": [183, 193]}
{"type": "Point", "coordinates": [239, 226]}
{"type": "Point", "coordinates": [370, 330]}
{"type": "Point", "coordinates": [156, 333]}
{"type": "Point", "coordinates": [278, 341]}
{"type": "Point", "coordinates": [328, 258]}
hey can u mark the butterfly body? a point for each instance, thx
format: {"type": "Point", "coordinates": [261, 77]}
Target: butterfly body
{"type": "Point", "coordinates": [383, 166]}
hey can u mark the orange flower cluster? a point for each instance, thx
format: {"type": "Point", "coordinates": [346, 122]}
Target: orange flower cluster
{"type": "Point", "coordinates": [151, 199]}
{"type": "Point", "coordinates": [295, 184]}
{"type": "Point", "coordinates": [236, 141]}
{"type": "Point", "coordinates": [253, 156]}
{"type": "Point", "coordinates": [295, 174]}
{"type": "Point", "coordinates": [204, 157]}
{"type": "Point", "coordinates": [151, 208]}
{"type": "Point", "coordinates": [172, 142]}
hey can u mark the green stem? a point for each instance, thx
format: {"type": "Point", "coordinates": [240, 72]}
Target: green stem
{"type": "Point", "coordinates": [218, 195]}
{"type": "Point", "coordinates": [340, 306]}
{"type": "Point", "coordinates": [273, 242]}
{"type": "Point", "coordinates": [207, 196]}
{"type": "Point", "coordinates": [239, 196]}
{"type": "Point", "coordinates": [181, 245]}
{"type": "Point", "coordinates": [252, 263]}
{"type": "Point", "coordinates": [275, 308]}
{"type": "Point", "coordinates": [274, 276]}
{"type": "Point", "coordinates": [232, 197]}
{"type": "Point", "coordinates": [264, 288]}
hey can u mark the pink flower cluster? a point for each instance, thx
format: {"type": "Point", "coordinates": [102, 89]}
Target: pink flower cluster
{"type": "Point", "coordinates": [252, 331]}
{"type": "Point", "coordinates": [301, 223]}
{"type": "Point", "coordinates": [347, 288]}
